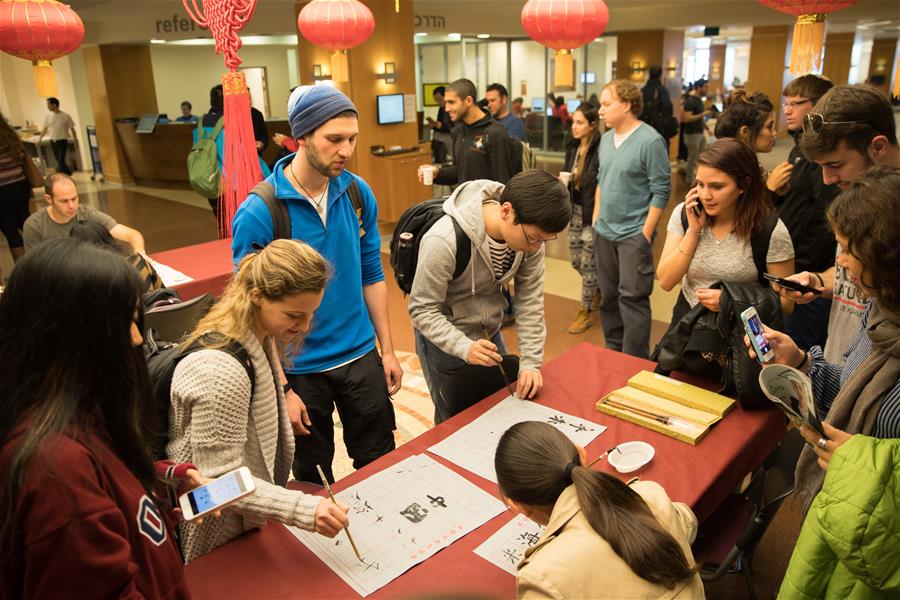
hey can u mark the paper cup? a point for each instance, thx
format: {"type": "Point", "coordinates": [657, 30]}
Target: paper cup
{"type": "Point", "coordinates": [427, 174]}
{"type": "Point", "coordinates": [565, 177]}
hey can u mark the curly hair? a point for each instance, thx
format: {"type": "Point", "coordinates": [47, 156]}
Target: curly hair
{"type": "Point", "coordinates": [751, 111]}
{"type": "Point", "coordinates": [626, 91]}
{"type": "Point", "coordinates": [858, 214]}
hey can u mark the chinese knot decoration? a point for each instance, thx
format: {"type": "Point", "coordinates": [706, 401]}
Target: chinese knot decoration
{"type": "Point", "coordinates": [564, 25]}
{"type": "Point", "coordinates": [809, 30]}
{"type": "Point", "coordinates": [40, 31]}
{"type": "Point", "coordinates": [336, 25]}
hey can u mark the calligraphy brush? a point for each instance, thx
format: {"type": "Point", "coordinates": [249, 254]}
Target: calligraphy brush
{"type": "Point", "coordinates": [664, 419]}
{"type": "Point", "coordinates": [509, 385]}
{"type": "Point", "coordinates": [346, 529]}
{"type": "Point", "coordinates": [601, 457]}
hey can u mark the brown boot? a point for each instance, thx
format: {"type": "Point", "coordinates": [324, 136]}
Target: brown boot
{"type": "Point", "coordinates": [582, 321]}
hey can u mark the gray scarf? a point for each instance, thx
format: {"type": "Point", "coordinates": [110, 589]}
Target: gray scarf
{"type": "Point", "coordinates": [856, 406]}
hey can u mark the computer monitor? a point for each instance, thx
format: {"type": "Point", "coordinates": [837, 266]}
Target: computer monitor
{"type": "Point", "coordinates": [537, 105]}
{"type": "Point", "coordinates": [572, 104]}
{"type": "Point", "coordinates": [549, 111]}
{"type": "Point", "coordinates": [390, 109]}
{"type": "Point", "coordinates": [588, 77]}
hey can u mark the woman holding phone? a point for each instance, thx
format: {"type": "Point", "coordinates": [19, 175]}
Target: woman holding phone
{"type": "Point", "coordinates": [78, 512]}
{"type": "Point", "coordinates": [220, 419]}
{"type": "Point", "coordinates": [728, 204]}
{"type": "Point", "coordinates": [640, 537]}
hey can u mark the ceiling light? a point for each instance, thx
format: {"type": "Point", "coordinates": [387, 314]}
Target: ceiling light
{"type": "Point", "coordinates": [455, 36]}
{"type": "Point", "coordinates": [421, 34]}
{"type": "Point", "coordinates": [155, 41]}
{"type": "Point", "coordinates": [483, 36]}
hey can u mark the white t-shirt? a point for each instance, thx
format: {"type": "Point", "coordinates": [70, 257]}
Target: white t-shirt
{"type": "Point", "coordinates": [58, 125]}
{"type": "Point", "coordinates": [619, 139]}
{"type": "Point", "coordinates": [728, 259]}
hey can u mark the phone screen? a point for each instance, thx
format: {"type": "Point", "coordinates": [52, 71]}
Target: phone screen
{"type": "Point", "coordinates": [220, 491]}
{"type": "Point", "coordinates": [756, 331]}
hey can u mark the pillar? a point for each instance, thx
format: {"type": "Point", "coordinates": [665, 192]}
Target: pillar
{"type": "Point", "coordinates": [120, 80]}
{"type": "Point", "coordinates": [768, 60]}
{"type": "Point", "coordinates": [716, 69]}
{"type": "Point", "coordinates": [881, 65]}
{"type": "Point", "coordinates": [836, 64]}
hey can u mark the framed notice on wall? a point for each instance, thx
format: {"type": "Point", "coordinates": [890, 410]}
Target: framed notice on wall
{"type": "Point", "coordinates": [428, 93]}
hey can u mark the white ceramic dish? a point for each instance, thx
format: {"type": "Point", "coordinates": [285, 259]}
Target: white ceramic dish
{"type": "Point", "coordinates": [631, 456]}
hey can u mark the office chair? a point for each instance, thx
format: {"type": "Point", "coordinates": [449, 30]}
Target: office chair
{"type": "Point", "coordinates": [174, 321]}
{"type": "Point", "coordinates": [473, 383]}
{"type": "Point", "coordinates": [727, 540]}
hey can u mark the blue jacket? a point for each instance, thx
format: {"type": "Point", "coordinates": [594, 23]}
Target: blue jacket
{"type": "Point", "coordinates": [341, 330]}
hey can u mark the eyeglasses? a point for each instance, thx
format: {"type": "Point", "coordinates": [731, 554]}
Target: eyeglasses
{"type": "Point", "coordinates": [795, 103]}
{"type": "Point", "coordinates": [815, 122]}
{"type": "Point", "coordinates": [532, 241]}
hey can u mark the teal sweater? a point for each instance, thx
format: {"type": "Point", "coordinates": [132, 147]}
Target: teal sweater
{"type": "Point", "coordinates": [632, 178]}
{"type": "Point", "coordinates": [849, 546]}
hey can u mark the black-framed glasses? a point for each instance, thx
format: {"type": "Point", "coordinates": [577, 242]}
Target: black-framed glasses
{"type": "Point", "coordinates": [815, 122]}
{"type": "Point", "coordinates": [532, 241]}
{"type": "Point", "coordinates": [792, 104]}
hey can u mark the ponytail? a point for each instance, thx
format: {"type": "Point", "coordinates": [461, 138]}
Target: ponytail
{"type": "Point", "coordinates": [535, 462]}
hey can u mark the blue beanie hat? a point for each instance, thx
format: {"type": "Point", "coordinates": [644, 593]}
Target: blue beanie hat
{"type": "Point", "coordinates": [312, 105]}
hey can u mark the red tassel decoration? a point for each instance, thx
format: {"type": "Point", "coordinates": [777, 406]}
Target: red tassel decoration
{"type": "Point", "coordinates": [240, 165]}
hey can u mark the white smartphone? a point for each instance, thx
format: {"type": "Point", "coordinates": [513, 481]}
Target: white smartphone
{"type": "Point", "coordinates": [216, 494]}
{"type": "Point", "coordinates": [753, 327]}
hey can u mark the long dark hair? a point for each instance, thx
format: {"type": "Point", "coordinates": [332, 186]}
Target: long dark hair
{"type": "Point", "coordinates": [752, 111]}
{"type": "Point", "coordinates": [531, 465]}
{"type": "Point", "coordinates": [737, 160]}
{"type": "Point", "coordinates": [97, 234]}
{"type": "Point", "coordinates": [861, 213]}
{"type": "Point", "coordinates": [68, 361]}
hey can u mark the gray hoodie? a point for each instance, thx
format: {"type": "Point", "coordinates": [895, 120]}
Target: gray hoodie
{"type": "Point", "coordinates": [452, 313]}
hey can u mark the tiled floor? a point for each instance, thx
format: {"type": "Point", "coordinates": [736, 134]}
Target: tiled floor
{"type": "Point", "coordinates": [173, 218]}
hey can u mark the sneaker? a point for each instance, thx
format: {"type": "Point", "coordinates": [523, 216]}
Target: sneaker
{"type": "Point", "coordinates": [582, 321]}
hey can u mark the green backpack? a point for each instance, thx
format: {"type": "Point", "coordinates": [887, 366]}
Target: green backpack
{"type": "Point", "coordinates": [203, 161]}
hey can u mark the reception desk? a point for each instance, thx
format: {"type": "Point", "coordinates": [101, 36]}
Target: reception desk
{"type": "Point", "coordinates": [395, 182]}
{"type": "Point", "coordinates": [160, 158]}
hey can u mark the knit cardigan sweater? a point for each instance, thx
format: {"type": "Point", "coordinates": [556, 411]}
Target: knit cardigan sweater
{"type": "Point", "coordinates": [215, 424]}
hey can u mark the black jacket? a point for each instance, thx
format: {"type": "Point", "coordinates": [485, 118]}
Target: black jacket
{"type": "Point", "coordinates": [584, 196]}
{"type": "Point", "coordinates": [802, 210]}
{"type": "Point", "coordinates": [480, 151]}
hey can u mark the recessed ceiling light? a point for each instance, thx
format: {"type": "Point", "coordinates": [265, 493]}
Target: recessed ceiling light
{"type": "Point", "coordinates": [455, 36]}
{"type": "Point", "coordinates": [421, 34]}
{"type": "Point", "coordinates": [155, 41]}
{"type": "Point", "coordinates": [484, 36]}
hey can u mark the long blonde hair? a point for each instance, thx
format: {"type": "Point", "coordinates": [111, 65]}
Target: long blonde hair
{"type": "Point", "coordinates": [283, 268]}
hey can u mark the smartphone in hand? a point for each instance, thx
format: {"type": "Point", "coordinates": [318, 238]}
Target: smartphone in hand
{"type": "Point", "coordinates": [216, 494]}
{"type": "Point", "coordinates": [753, 327]}
{"type": "Point", "coordinates": [791, 284]}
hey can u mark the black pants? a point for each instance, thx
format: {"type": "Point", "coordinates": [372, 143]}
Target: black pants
{"type": "Point", "coordinates": [60, 147]}
{"type": "Point", "coordinates": [808, 324]}
{"type": "Point", "coordinates": [14, 199]}
{"type": "Point", "coordinates": [359, 392]}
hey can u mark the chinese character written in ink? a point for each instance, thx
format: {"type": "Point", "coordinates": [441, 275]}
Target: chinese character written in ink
{"type": "Point", "coordinates": [364, 508]}
{"type": "Point", "coordinates": [512, 555]}
{"type": "Point", "coordinates": [529, 538]}
{"type": "Point", "coordinates": [371, 565]}
{"type": "Point", "coordinates": [579, 428]}
{"type": "Point", "coordinates": [337, 542]}
{"type": "Point", "coordinates": [378, 518]}
{"type": "Point", "coordinates": [438, 501]}
{"type": "Point", "coordinates": [556, 420]}
{"type": "Point", "coordinates": [414, 513]}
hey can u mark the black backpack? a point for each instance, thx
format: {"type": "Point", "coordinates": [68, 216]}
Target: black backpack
{"type": "Point", "coordinates": [662, 121]}
{"type": "Point", "coordinates": [417, 220]}
{"type": "Point", "coordinates": [281, 218]}
{"type": "Point", "coordinates": [162, 358]}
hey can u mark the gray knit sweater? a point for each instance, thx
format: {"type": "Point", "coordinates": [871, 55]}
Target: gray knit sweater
{"type": "Point", "coordinates": [215, 424]}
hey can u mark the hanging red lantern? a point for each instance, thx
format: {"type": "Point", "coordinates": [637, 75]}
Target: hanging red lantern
{"type": "Point", "coordinates": [40, 31]}
{"type": "Point", "coordinates": [336, 25]}
{"type": "Point", "coordinates": [564, 25]}
{"type": "Point", "coordinates": [809, 30]}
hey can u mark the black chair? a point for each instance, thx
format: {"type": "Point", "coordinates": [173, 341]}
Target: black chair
{"type": "Point", "coordinates": [727, 540]}
{"type": "Point", "coordinates": [174, 321]}
{"type": "Point", "coordinates": [473, 383]}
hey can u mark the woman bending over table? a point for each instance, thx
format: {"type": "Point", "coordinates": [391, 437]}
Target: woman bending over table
{"type": "Point", "coordinates": [603, 538]}
{"type": "Point", "coordinates": [221, 420]}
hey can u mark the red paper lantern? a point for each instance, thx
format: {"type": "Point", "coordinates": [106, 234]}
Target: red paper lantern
{"type": "Point", "coordinates": [336, 25]}
{"type": "Point", "coordinates": [40, 31]}
{"type": "Point", "coordinates": [809, 30]}
{"type": "Point", "coordinates": [564, 25]}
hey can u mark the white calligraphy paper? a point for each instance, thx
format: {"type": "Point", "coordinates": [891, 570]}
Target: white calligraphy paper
{"type": "Point", "coordinates": [507, 547]}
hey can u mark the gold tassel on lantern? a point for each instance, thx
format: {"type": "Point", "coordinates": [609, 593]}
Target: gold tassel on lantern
{"type": "Point", "coordinates": [564, 75]}
{"type": "Point", "coordinates": [896, 91]}
{"type": "Point", "coordinates": [44, 78]}
{"type": "Point", "coordinates": [340, 67]}
{"type": "Point", "coordinates": [808, 44]}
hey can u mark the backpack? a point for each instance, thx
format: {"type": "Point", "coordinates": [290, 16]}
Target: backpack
{"type": "Point", "coordinates": [203, 161]}
{"type": "Point", "coordinates": [162, 358]}
{"type": "Point", "coordinates": [518, 154]}
{"type": "Point", "coordinates": [278, 209]}
{"type": "Point", "coordinates": [417, 220]}
{"type": "Point", "coordinates": [662, 121]}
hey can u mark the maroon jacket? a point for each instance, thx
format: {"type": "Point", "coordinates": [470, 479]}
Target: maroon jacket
{"type": "Point", "coordinates": [86, 528]}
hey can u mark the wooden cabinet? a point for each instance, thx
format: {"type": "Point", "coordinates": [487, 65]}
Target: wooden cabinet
{"type": "Point", "coordinates": [396, 185]}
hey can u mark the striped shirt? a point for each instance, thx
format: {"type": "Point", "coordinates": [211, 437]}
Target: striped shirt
{"type": "Point", "coordinates": [502, 257]}
{"type": "Point", "coordinates": [12, 167]}
{"type": "Point", "coordinates": [828, 378]}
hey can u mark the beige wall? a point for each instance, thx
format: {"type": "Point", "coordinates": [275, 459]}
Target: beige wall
{"type": "Point", "coordinates": [188, 72]}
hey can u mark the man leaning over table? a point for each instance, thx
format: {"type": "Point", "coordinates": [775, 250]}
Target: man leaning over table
{"type": "Point", "coordinates": [338, 365]}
